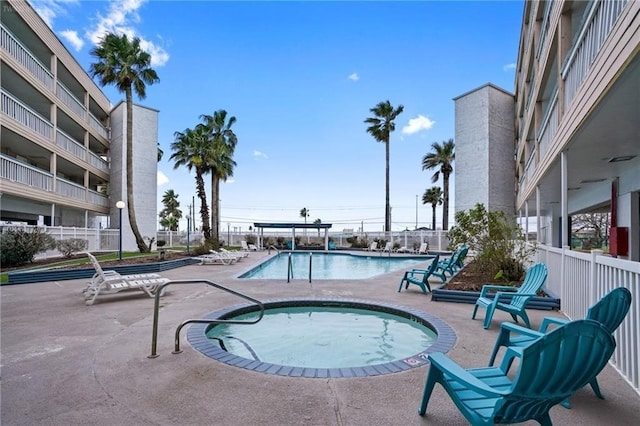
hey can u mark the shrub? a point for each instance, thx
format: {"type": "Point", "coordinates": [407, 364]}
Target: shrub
{"type": "Point", "coordinates": [71, 246]}
{"type": "Point", "coordinates": [498, 241]}
{"type": "Point", "coordinates": [18, 247]}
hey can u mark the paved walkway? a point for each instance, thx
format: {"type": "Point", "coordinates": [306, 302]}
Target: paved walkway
{"type": "Point", "coordinates": [64, 363]}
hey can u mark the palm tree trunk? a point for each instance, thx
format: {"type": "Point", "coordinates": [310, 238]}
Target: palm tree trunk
{"type": "Point", "coordinates": [204, 209]}
{"type": "Point", "coordinates": [445, 201]}
{"type": "Point", "coordinates": [433, 220]}
{"type": "Point", "coordinates": [130, 207]}
{"type": "Point", "coordinates": [387, 206]}
{"type": "Point", "coordinates": [215, 203]}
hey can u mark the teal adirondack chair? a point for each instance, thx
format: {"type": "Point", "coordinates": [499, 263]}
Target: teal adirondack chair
{"type": "Point", "coordinates": [533, 281]}
{"type": "Point", "coordinates": [609, 311]}
{"type": "Point", "coordinates": [410, 277]}
{"type": "Point", "coordinates": [550, 370]}
{"type": "Point", "coordinates": [451, 264]}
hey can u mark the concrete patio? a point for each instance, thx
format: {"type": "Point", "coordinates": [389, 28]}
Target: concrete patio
{"type": "Point", "coordinates": [64, 363]}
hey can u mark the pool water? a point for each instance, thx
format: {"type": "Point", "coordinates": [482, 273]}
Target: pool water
{"type": "Point", "coordinates": [332, 265]}
{"type": "Point", "coordinates": [324, 337]}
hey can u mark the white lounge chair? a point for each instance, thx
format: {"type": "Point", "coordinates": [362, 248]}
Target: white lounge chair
{"type": "Point", "coordinates": [388, 247]}
{"type": "Point", "coordinates": [239, 255]}
{"type": "Point", "coordinates": [227, 254]}
{"type": "Point", "coordinates": [424, 248]}
{"type": "Point", "coordinates": [248, 247]}
{"type": "Point", "coordinates": [373, 247]}
{"type": "Point", "coordinates": [110, 282]}
{"type": "Point", "coordinates": [215, 258]}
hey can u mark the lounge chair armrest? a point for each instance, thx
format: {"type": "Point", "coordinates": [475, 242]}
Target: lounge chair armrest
{"type": "Point", "coordinates": [487, 287]}
{"type": "Point", "coordinates": [515, 328]}
{"type": "Point", "coordinates": [547, 321]}
{"type": "Point", "coordinates": [446, 365]}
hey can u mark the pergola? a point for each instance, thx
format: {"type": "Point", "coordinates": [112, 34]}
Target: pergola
{"type": "Point", "coordinates": [260, 226]}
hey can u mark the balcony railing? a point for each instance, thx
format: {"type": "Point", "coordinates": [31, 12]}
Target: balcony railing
{"type": "Point", "coordinates": [69, 144]}
{"type": "Point", "coordinates": [546, 23]}
{"type": "Point", "coordinates": [70, 190]}
{"type": "Point", "coordinates": [601, 19]}
{"type": "Point", "coordinates": [21, 54]}
{"type": "Point", "coordinates": [97, 126]}
{"type": "Point", "coordinates": [71, 101]}
{"type": "Point", "coordinates": [98, 198]}
{"type": "Point", "coordinates": [98, 162]}
{"type": "Point", "coordinates": [18, 172]}
{"type": "Point", "coordinates": [25, 115]}
{"type": "Point", "coordinates": [549, 126]}
{"type": "Point", "coordinates": [581, 279]}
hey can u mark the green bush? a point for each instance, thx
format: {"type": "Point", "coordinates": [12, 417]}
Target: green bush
{"type": "Point", "coordinates": [71, 246]}
{"type": "Point", "coordinates": [18, 247]}
{"type": "Point", "coordinates": [498, 241]}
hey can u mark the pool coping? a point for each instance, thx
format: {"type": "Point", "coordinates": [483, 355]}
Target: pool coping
{"type": "Point", "coordinates": [375, 255]}
{"type": "Point", "coordinates": [446, 339]}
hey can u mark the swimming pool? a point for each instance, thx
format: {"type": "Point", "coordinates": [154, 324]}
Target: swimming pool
{"type": "Point", "coordinates": [331, 266]}
{"type": "Point", "coordinates": [372, 338]}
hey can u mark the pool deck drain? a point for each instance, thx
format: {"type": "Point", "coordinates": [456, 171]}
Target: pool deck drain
{"type": "Point", "coordinates": [445, 340]}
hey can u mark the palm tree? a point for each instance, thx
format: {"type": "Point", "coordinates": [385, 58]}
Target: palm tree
{"type": "Point", "coordinates": [441, 159]}
{"type": "Point", "coordinates": [222, 144]}
{"type": "Point", "coordinates": [190, 150]}
{"type": "Point", "coordinates": [433, 196]}
{"type": "Point", "coordinates": [380, 127]}
{"type": "Point", "coordinates": [305, 213]}
{"type": "Point", "coordinates": [318, 222]}
{"type": "Point", "coordinates": [171, 213]}
{"type": "Point", "coordinates": [170, 223]}
{"type": "Point", "coordinates": [122, 62]}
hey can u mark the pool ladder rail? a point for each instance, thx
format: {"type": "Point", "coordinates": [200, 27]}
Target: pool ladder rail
{"type": "Point", "coordinates": [290, 267]}
{"type": "Point", "coordinates": [156, 313]}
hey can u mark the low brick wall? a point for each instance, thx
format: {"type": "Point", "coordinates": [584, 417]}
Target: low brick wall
{"type": "Point", "coordinates": [440, 295]}
{"type": "Point", "coordinates": [43, 275]}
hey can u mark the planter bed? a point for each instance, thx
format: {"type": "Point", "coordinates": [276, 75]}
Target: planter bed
{"type": "Point", "coordinates": [458, 296]}
{"type": "Point", "coordinates": [42, 275]}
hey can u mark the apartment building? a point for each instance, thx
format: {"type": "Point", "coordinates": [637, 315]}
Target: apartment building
{"type": "Point", "coordinates": [576, 119]}
{"type": "Point", "coordinates": [61, 140]}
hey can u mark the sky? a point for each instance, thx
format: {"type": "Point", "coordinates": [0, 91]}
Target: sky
{"type": "Point", "coordinates": [301, 78]}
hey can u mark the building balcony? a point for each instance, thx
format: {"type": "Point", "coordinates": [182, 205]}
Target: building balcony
{"type": "Point", "coordinates": [16, 171]}
{"type": "Point", "coordinates": [40, 72]}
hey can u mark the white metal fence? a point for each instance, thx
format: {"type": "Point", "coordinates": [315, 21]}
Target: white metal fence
{"type": "Point", "coordinates": [581, 279]}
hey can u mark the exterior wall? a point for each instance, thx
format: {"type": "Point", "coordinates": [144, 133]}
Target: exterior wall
{"type": "Point", "coordinates": [501, 151]}
{"type": "Point", "coordinates": [58, 137]}
{"type": "Point", "coordinates": [145, 171]}
{"type": "Point", "coordinates": [484, 137]}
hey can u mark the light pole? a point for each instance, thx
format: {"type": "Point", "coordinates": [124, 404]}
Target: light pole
{"type": "Point", "coordinates": [188, 229]}
{"type": "Point", "coordinates": [416, 212]}
{"type": "Point", "coordinates": [228, 233]}
{"type": "Point", "coordinates": [120, 206]}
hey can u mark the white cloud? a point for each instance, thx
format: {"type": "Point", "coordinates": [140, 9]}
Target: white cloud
{"type": "Point", "coordinates": [49, 9]}
{"type": "Point", "coordinates": [120, 17]}
{"type": "Point", "coordinates": [162, 178]}
{"type": "Point", "coordinates": [73, 38]}
{"type": "Point", "coordinates": [257, 153]}
{"type": "Point", "coordinates": [418, 124]}
{"type": "Point", "coordinates": [354, 77]}
{"type": "Point", "coordinates": [509, 67]}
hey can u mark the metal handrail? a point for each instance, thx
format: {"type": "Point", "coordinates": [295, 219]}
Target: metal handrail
{"type": "Point", "coordinates": [156, 312]}
{"type": "Point", "coordinates": [310, 262]}
{"type": "Point", "coordinates": [289, 268]}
